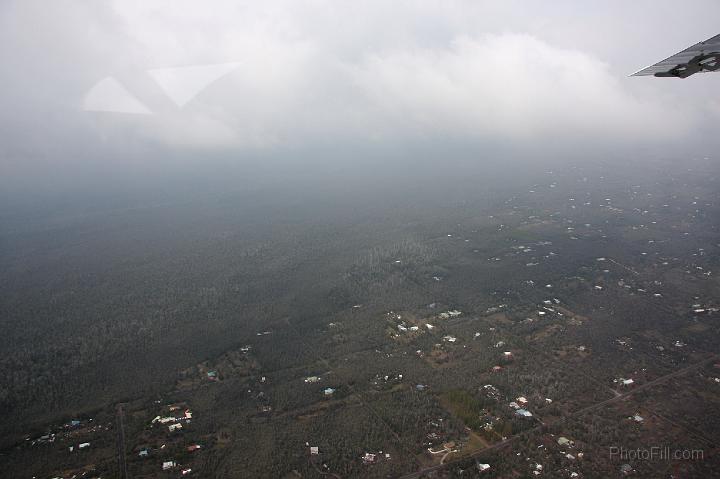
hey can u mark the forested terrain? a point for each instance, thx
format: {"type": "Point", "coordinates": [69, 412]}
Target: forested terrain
{"type": "Point", "coordinates": [362, 316]}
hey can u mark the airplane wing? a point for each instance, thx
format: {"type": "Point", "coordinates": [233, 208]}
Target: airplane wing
{"type": "Point", "coordinates": [701, 57]}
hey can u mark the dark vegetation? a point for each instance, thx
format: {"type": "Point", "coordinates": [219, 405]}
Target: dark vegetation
{"type": "Point", "coordinates": [227, 303]}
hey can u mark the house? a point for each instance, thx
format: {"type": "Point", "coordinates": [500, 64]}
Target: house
{"type": "Point", "coordinates": [83, 445]}
{"type": "Point", "coordinates": [312, 379]}
{"type": "Point", "coordinates": [369, 458]}
{"type": "Point", "coordinates": [563, 441]}
{"type": "Point", "coordinates": [193, 447]}
{"type": "Point", "coordinates": [627, 382]}
{"type": "Point", "coordinates": [185, 472]}
{"type": "Point", "coordinates": [522, 400]}
{"type": "Point", "coordinates": [637, 418]}
{"type": "Point", "coordinates": [174, 427]}
{"type": "Point", "coordinates": [212, 375]}
{"type": "Point", "coordinates": [314, 451]}
{"type": "Point", "coordinates": [523, 413]}
{"type": "Point", "coordinates": [329, 391]}
{"type": "Point", "coordinates": [144, 453]}
{"type": "Point", "coordinates": [167, 465]}
{"type": "Point", "coordinates": [482, 467]}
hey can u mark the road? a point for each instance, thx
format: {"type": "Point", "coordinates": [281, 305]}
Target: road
{"type": "Point", "coordinates": [122, 460]}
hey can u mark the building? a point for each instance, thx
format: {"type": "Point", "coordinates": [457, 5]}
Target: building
{"type": "Point", "coordinates": [563, 441]}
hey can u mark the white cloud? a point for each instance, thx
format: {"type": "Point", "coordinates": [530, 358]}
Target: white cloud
{"type": "Point", "coordinates": [303, 79]}
{"type": "Point", "coordinates": [338, 74]}
{"type": "Point", "coordinates": [512, 85]}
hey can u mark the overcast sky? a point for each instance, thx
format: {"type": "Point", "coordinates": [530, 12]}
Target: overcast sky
{"type": "Point", "coordinates": [528, 76]}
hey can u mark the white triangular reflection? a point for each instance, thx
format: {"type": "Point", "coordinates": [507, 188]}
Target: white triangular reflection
{"type": "Point", "coordinates": [182, 84]}
{"type": "Point", "coordinates": [110, 95]}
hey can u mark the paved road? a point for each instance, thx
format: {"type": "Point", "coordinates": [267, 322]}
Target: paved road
{"type": "Point", "coordinates": [122, 460]}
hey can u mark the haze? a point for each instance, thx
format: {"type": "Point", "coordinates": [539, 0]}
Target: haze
{"type": "Point", "coordinates": [334, 80]}
{"type": "Point", "coordinates": [301, 238]}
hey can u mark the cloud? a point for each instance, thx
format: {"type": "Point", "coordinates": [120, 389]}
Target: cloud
{"type": "Point", "coordinates": [303, 81]}
{"type": "Point", "coordinates": [319, 74]}
{"type": "Point", "coordinates": [500, 87]}
{"type": "Point", "coordinates": [512, 86]}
